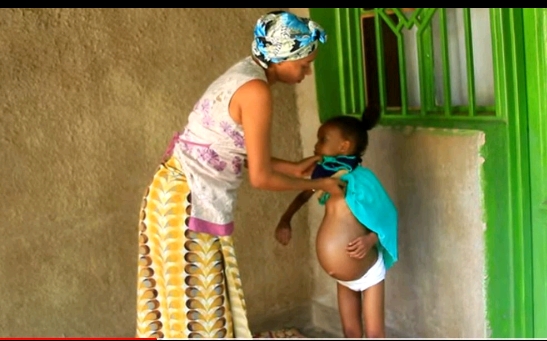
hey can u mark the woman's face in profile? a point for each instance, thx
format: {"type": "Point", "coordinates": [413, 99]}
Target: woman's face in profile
{"type": "Point", "coordinates": [294, 71]}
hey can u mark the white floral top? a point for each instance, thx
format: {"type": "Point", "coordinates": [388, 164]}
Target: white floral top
{"type": "Point", "coordinates": [211, 149]}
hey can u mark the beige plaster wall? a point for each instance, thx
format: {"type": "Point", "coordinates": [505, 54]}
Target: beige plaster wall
{"type": "Point", "coordinates": [89, 99]}
{"type": "Point", "coordinates": [437, 287]}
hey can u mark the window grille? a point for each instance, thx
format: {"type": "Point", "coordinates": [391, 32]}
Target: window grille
{"type": "Point", "coordinates": [428, 61]}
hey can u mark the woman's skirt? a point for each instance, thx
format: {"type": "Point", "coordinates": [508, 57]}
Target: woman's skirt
{"type": "Point", "coordinates": [188, 282]}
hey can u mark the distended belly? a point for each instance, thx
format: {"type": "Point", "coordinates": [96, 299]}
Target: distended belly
{"type": "Point", "coordinates": [331, 242]}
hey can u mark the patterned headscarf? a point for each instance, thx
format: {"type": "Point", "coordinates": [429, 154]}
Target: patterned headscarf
{"type": "Point", "coordinates": [282, 36]}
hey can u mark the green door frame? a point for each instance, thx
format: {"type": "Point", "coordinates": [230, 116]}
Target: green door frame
{"type": "Point", "coordinates": [515, 192]}
{"type": "Point", "coordinates": [535, 33]}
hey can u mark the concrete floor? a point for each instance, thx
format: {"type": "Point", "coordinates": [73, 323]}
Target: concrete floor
{"type": "Point", "coordinates": [315, 332]}
{"type": "Point", "coordinates": [301, 317]}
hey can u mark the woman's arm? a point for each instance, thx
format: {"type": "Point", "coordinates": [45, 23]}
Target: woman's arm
{"type": "Point", "coordinates": [297, 169]}
{"type": "Point", "coordinates": [252, 104]}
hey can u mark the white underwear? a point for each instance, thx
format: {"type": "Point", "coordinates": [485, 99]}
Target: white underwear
{"type": "Point", "coordinates": [374, 275]}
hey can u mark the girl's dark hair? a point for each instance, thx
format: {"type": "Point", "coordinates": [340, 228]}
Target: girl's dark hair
{"type": "Point", "coordinates": [356, 130]}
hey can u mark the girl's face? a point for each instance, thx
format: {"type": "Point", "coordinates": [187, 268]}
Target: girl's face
{"type": "Point", "coordinates": [330, 142]}
{"type": "Point", "coordinates": [294, 71]}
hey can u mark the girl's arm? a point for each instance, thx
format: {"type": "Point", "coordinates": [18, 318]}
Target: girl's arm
{"type": "Point", "coordinates": [295, 206]}
{"type": "Point", "coordinates": [252, 104]}
{"type": "Point", "coordinates": [283, 232]}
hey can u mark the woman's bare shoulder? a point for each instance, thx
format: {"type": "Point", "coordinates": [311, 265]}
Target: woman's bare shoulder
{"type": "Point", "coordinates": [254, 92]}
{"type": "Point", "coordinates": [255, 87]}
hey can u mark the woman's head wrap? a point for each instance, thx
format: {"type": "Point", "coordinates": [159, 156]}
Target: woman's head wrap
{"type": "Point", "coordinates": [281, 36]}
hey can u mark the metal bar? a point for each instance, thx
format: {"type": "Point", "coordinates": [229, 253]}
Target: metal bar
{"type": "Point", "coordinates": [447, 89]}
{"type": "Point", "coordinates": [402, 73]}
{"type": "Point", "coordinates": [381, 65]}
{"type": "Point", "coordinates": [422, 71]}
{"type": "Point", "coordinates": [469, 61]}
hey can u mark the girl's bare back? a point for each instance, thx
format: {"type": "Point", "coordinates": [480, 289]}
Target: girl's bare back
{"type": "Point", "coordinates": [338, 228]}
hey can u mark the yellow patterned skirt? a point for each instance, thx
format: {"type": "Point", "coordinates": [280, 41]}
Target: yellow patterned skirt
{"type": "Point", "coordinates": [188, 282]}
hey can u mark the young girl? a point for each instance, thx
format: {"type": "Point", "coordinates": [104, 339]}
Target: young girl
{"type": "Point", "coordinates": [357, 240]}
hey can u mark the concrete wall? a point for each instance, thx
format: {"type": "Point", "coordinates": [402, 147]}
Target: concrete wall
{"type": "Point", "coordinates": [437, 287]}
{"type": "Point", "coordinates": [89, 101]}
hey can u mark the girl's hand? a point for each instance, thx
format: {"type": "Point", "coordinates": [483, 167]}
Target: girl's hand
{"type": "Point", "coordinates": [359, 247]}
{"type": "Point", "coordinates": [283, 232]}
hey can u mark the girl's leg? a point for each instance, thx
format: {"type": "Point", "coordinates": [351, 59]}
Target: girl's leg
{"type": "Point", "coordinates": [373, 311]}
{"type": "Point", "coordinates": [349, 306]}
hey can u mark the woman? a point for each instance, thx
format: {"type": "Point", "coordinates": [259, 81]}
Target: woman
{"type": "Point", "coordinates": [188, 282]}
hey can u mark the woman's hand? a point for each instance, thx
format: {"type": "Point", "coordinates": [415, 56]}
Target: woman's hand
{"type": "Point", "coordinates": [333, 186]}
{"type": "Point", "coordinates": [298, 169]}
{"type": "Point", "coordinates": [305, 166]}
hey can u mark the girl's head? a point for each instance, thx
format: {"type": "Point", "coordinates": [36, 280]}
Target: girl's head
{"type": "Point", "coordinates": [286, 45]}
{"type": "Point", "coordinates": [346, 135]}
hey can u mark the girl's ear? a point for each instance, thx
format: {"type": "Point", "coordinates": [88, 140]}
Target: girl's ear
{"type": "Point", "coordinates": [344, 147]}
